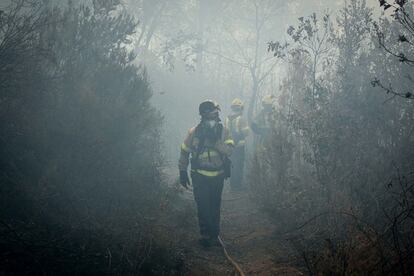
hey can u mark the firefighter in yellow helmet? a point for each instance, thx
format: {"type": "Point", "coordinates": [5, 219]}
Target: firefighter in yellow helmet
{"type": "Point", "coordinates": [207, 147]}
{"type": "Point", "coordinates": [262, 123]}
{"type": "Point", "coordinates": [239, 131]}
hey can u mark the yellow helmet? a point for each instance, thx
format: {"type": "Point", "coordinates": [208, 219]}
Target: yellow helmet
{"type": "Point", "coordinates": [237, 102]}
{"type": "Point", "coordinates": [267, 100]}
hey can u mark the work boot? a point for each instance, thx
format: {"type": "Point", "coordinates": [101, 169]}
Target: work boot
{"type": "Point", "coordinates": [204, 242]}
{"type": "Point", "coordinates": [214, 241]}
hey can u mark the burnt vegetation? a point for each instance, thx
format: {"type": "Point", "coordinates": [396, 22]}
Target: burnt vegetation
{"type": "Point", "coordinates": [80, 165]}
{"type": "Point", "coordinates": [82, 188]}
{"type": "Point", "coordinates": [340, 158]}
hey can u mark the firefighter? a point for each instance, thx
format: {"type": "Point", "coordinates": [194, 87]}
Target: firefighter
{"type": "Point", "coordinates": [262, 123]}
{"type": "Point", "coordinates": [239, 131]}
{"type": "Point", "coordinates": [209, 146]}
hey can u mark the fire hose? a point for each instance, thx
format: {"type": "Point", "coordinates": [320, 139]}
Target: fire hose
{"type": "Point", "coordinates": [230, 259]}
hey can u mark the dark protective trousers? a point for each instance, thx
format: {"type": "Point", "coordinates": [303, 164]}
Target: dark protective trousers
{"type": "Point", "coordinates": [237, 161]}
{"type": "Point", "coordinates": [207, 194]}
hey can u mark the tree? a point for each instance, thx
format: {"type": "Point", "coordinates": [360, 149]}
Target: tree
{"type": "Point", "coordinates": [248, 51]}
{"type": "Point", "coordinates": [80, 152]}
{"type": "Point", "coordinates": [398, 43]}
{"type": "Point", "coordinates": [354, 146]}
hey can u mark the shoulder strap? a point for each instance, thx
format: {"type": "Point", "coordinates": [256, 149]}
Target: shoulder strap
{"type": "Point", "coordinates": [200, 146]}
{"type": "Point", "coordinates": [229, 123]}
{"type": "Point", "coordinates": [220, 128]}
{"type": "Point", "coordinates": [198, 133]}
{"type": "Point", "coordinates": [238, 119]}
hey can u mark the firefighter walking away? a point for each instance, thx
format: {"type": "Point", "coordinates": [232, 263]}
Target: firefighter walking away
{"type": "Point", "coordinates": [262, 123]}
{"type": "Point", "coordinates": [207, 149]}
{"type": "Point", "coordinates": [239, 131]}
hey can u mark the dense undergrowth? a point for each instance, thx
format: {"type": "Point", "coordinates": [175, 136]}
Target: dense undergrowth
{"type": "Point", "coordinates": [80, 161]}
{"type": "Point", "coordinates": [337, 172]}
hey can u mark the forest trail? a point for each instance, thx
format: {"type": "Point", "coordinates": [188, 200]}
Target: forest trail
{"type": "Point", "coordinates": [249, 237]}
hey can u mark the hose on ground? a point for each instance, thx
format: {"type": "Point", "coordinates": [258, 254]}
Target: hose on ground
{"type": "Point", "coordinates": [230, 259]}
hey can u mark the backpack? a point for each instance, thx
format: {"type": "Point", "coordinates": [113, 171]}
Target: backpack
{"type": "Point", "coordinates": [201, 134]}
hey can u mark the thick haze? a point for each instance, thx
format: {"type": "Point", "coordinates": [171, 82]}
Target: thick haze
{"type": "Point", "coordinates": [196, 50]}
{"type": "Point", "coordinates": [97, 96]}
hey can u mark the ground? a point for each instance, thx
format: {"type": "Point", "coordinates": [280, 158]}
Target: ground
{"type": "Point", "coordinates": [249, 236]}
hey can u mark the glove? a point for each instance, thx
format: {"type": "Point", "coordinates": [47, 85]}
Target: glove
{"type": "Point", "coordinates": [223, 148]}
{"type": "Point", "coordinates": [184, 180]}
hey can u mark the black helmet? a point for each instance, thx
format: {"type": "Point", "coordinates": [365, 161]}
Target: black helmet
{"type": "Point", "coordinates": [207, 107]}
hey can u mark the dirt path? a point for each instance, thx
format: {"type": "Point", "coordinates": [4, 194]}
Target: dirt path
{"type": "Point", "coordinates": [249, 238]}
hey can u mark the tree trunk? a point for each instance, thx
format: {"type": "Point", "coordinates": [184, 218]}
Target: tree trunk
{"type": "Point", "coordinates": [253, 98]}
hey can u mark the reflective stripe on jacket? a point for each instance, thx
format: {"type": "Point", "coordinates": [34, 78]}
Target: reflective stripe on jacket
{"type": "Point", "coordinates": [238, 129]}
{"type": "Point", "coordinates": [208, 160]}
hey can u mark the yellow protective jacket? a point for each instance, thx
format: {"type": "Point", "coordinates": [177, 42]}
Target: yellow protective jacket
{"type": "Point", "coordinates": [207, 159]}
{"type": "Point", "coordinates": [262, 123]}
{"type": "Point", "coordinates": [238, 128]}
